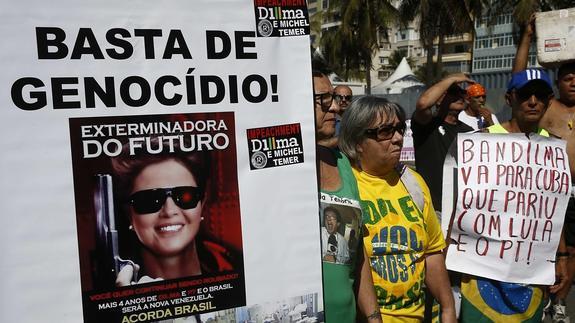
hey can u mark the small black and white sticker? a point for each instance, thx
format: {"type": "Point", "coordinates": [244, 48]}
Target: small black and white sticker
{"type": "Point", "coordinates": [275, 146]}
{"type": "Point", "coordinates": [281, 18]}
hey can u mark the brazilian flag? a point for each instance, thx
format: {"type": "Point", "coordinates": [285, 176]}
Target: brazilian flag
{"type": "Point", "coordinates": [486, 300]}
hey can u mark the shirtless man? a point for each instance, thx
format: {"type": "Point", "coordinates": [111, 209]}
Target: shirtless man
{"type": "Point", "coordinates": [559, 120]}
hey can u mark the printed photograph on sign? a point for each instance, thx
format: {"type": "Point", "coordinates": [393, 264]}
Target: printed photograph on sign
{"type": "Point", "coordinates": [158, 215]}
{"type": "Point", "coordinates": [339, 232]}
{"type": "Point", "coordinates": [301, 309]}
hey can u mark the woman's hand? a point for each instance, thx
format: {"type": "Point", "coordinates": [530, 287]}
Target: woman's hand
{"type": "Point", "coordinates": [127, 273]}
{"type": "Point", "coordinates": [448, 315]}
{"type": "Point", "coordinates": [437, 281]}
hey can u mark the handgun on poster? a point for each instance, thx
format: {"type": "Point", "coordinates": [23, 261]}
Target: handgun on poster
{"type": "Point", "coordinates": [110, 262]}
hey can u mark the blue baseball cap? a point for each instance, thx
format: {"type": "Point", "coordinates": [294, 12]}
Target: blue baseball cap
{"type": "Point", "coordinates": [520, 79]}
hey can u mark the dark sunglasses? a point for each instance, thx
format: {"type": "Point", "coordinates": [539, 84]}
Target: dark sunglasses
{"type": "Point", "coordinates": [339, 97]}
{"type": "Point", "coordinates": [151, 201]}
{"type": "Point", "coordinates": [325, 100]}
{"type": "Point", "coordinates": [525, 94]}
{"type": "Point", "coordinates": [385, 131]}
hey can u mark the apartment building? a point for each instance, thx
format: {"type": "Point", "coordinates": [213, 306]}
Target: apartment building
{"type": "Point", "coordinates": [456, 53]}
{"type": "Point", "coordinates": [494, 50]}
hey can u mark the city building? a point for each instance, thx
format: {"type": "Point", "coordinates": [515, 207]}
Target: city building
{"type": "Point", "coordinates": [456, 56]}
{"type": "Point", "coordinates": [493, 55]}
{"type": "Point", "coordinates": [320, 20]}
{"type": "Point", "coordinates": [457, 49]}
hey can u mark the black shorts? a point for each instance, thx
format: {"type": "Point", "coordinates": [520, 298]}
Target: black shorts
{"type": "Point", "coordinates": [569, 224]}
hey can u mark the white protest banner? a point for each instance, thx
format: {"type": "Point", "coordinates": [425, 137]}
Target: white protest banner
{"type": "Point", "coordinates": [512, 193]}
{"type": "Point", "coordinates": [158, 161]}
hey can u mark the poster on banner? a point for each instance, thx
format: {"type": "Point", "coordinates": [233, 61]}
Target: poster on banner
{"type": "Point", "coordinates": [512, 193]}
{"type": "Point", "coordinates": [123, 177]}
{"type": "Point", "coordinates": [156, 158]}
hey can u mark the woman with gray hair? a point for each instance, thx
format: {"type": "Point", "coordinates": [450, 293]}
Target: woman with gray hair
{"type": "Point", "coordinates": [404, 240]}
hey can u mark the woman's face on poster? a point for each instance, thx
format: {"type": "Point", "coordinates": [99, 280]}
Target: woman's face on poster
{"type": "Point", "coordinates": [171, 229]}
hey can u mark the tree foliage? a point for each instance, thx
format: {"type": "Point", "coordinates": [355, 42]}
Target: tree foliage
{"type": "Point", "coordinates": [437, 19]}
{"type": "Point", "coordinates": [349, 47]}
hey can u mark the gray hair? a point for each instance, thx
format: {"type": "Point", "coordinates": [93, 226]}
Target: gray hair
{"type": "Point", "coordinates": [361, 115]}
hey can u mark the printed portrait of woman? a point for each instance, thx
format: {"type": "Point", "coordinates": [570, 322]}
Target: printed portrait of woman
{"type": "Point", "coordinates": [164, 197]}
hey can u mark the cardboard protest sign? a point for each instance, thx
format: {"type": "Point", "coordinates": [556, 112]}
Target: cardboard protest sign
{"type": "Point", "coordinates": [158, 162]}
{"type": "Point", "coordinates": [511, 196]}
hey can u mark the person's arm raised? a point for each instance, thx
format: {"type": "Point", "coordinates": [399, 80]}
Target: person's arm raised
{"type": "Point", "coordinates": [522, 55]}
{"type": "Point", "coordinates": [434, 95]}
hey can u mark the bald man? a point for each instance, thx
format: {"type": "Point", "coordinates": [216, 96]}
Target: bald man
{"type": "Point", "coordinates": [343, 96]}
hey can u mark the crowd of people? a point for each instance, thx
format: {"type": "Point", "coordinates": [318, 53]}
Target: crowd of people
{"type": "Point", "coordinates": [399, 272]}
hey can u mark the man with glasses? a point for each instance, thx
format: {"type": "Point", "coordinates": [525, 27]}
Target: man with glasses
{"type": "Point", "coordinates": [327, 109]}
{"type": "Point", "coordinates": [528, 94]}
{"type": "Point", "coordinates": [343, 95]}
{"type": "Point", "coordinates": [476, 115]}
{"type": "Point", "coordinates": [434, 131]}
{"type": "Point", "coordinates": [347, 283]}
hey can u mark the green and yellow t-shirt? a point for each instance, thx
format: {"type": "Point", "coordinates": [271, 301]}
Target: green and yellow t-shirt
{"type": "Point", "coordinates": [398, 237]}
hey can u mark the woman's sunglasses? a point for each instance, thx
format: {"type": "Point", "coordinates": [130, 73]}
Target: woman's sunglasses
{"type": "Point", "coordinates": [152, 200]}
{"type": "Point", "coordinates": [385, 131]}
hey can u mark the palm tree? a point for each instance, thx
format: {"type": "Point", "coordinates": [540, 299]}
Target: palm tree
{"type": "Point", "coordinates": [437, 19]}
{"type": "Point", "coordinates": [350, 47]}
{"type": "Point", "coordinates": [315, 21]}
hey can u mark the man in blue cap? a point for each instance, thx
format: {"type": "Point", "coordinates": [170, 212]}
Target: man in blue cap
{"type": "Point", "coordinates": [529, 93]}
